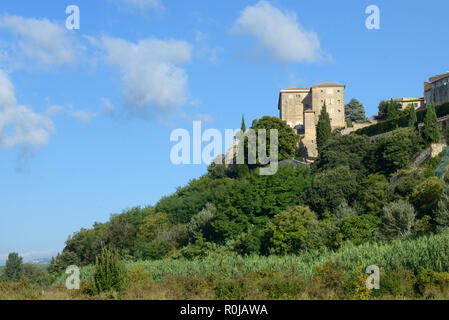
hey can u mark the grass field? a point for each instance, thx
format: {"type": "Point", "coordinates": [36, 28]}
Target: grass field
{"type": "Point", "coordinates": [415, 268]}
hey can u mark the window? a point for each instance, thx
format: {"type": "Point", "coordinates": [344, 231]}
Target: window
{"type": "Point", "coordinates": [415, 105]}
{"type": "Point", "coordinates": [330, 100]}
{"type": "Point", "coordinates": [330, 91]}
{"type": "Point", "coordinates": [339, 110]}
{"type": "Point", "coordinates": [298, 96]}
{"type": "Point", "coordinates": [331, 111]}
{"type": "Point", "coordinates": [290, 96]}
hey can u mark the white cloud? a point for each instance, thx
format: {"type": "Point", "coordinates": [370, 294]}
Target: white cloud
{"type": "Point", "coordinates": [41, 41]}
{"type": "Point", "coordinates": [142, 4]}
{"type": "Point", "coordinates": [150, 72]}
{"type": "Point", "coordinates": [54, 110]}
{"type": "Point", "coordinates": [82, 115]}
{"type": "Point", "coordinates": [279, 33]}
{"type": "Point", "coordinates": [19, 125]}
{"type": "Point", "coordinates": [107, 107]}
{"type": "Point", "coordinates": [78, 114]}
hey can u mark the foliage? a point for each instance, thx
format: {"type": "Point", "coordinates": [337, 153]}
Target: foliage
{"type": "Point", "coordinates": [396, 149]}
{"type": "Point", "coordinates": [62, 261]}
{"type": "Point", "coordinates": [110, 272]}
{"type": "Point", "coordinates": [288, 139]}
{"type": "Point", "coordinates": [431, 130]}
{"type": "Point", "coordinates": [375, 193]}
{"type": "Point", "coordinates": [412, 120]}
{"type": "Point", "coordinates": [202, 221]}
{"type": "Point", "coordinates": [331, 187]}
{"type": "Point", "coordinates": [360, 229]}
{"type": "Point", "coordinates": [441, 211]}
{"type": "Point", "coordinates": [426, 195]}
{"type": "Point", "coordinates": [354, 111]}
{"type": "Point", "coordinates": [323, 128]}
{"type": "Point", "coordinates": [402, 121]}
{"type": "Point", "coordinates": [398, 219]}
{"type": "Point", "coordinates": [353, 151]}
{"type": "Point", "coordinates": [294, 230]}
{"type": "Point", "coordinates": [13, 267]}
{"type": "Point", "coordinates": [389, 109]}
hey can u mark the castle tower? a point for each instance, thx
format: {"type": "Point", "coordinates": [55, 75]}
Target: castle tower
{"type": "Point", "coordinates": [309, 140]}
{"type": "Point", "coordinates": [300, 108]}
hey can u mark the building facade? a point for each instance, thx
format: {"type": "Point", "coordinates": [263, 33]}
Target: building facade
{"type": "Point", "coordinates": [417, 103]}
{"type": "Point", "coordinates": [436, 90]}
{"type": "Point", "coordinates": [301, 107]}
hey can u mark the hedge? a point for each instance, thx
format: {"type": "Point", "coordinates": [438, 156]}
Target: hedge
{"type": "Point", "coordinates": [389, 125]}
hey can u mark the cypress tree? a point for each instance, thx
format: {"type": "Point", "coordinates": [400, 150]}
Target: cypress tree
{"type": "Point", "coordinates": [323, 128]}
{"type": "Point", "coordinates": [431, 131]}
{"type": "Point", "coordinates": [243, 127]}
{"type": "Point", "coordinates": [413, 120]}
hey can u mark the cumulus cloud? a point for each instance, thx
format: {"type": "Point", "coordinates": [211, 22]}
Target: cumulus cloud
{"type": "Point", "coordinates": [150, 71]}
{"type": "Point", "coordinates": [41, 41]}
{"type": "Point", "coordinates": [279, 33]}
{"type": "Point", "coordinates": [19, 125]}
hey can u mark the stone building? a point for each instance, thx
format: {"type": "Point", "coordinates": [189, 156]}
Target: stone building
{"type": "Point", "coordinates": [417, 103]}
{"type": "Point", "coordinates": [436, 90]}
{"type": "Point", "coordinates": [301, 107]}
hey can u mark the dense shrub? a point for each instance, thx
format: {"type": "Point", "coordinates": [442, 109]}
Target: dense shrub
{"type": "Point", "coordinates": [426, 195]}
{"type": "Point", "coordinates": [294, 230]}
{"type": "Point", "coordinates": [110, 272]}
{"type": "Point", "coordinates": [398, 219]}
{"type": "Point", "coordinates": [359, 229]}
{"type": "Point", "coordinates": [396, 150]}
{"type": "Point", "coordinates": [332, 187]}
{"type": "Point", "coordinates": [389, 125]}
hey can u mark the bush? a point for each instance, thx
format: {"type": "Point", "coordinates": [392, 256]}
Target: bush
{"type": "Point", "coordinates": [295, 229]}
{"type": "Point", "coordinates": [375, 193]}
{"type": "Point", "coordinates": [426, 195]}
{"type": "Point", "coordinates": [398, 219]}
{"type": "Point", "coordinates": [110, 272]}
{"type": "Point", "coordinates": [332, 187]}
{"type": "Point", "coordinates": [359, 229]}
{"type": "Point", "coordinates": [441, 211]}
{"type": "Point", "coordinates": [396, 150]}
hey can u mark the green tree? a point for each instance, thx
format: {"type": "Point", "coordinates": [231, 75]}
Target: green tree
{"type": "Point", "coordinates": [389, 109]}
{"type": "Point", "coordinates": [354, 111]}
{"type": "Point", "coordinates": [332, 187]}
{"type": "Point", "coordinates": [398, 219]}
{"type": "Point", "coordinates": [441, 211]}
{"type": "Point", "coordinates": [110, 272]}
{"type": "Point", "coordinates": [294, 229]}
{"type": "Point", "coordinates": [287, 138]}
{"type": "Point", "coordinates": [359, 229]}
{"type": "Point", "coordinates": [374, 194]}
{"type": "Point", "coordinates": [323, 128]}
{"type": "Point", "coordinates": [352, 150]}
{"type": "Point", "coordinates": [431, 130]}
{"type": "Point", "coordinates": [396, 150]}
{"type": "Point", "coordinates": [14, 267]}
{"type": "Point", "coordinates": [62, 261]}
{"type": "Point", "coordinates": [426, 195]}
{"type": "Point", "coordinates": [412, 119]}
{"type": "Point", "coordinates": [243, 126]}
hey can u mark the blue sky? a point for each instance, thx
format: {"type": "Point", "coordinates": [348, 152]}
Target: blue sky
{"type": "Point", "coordinates": [86, 115]}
